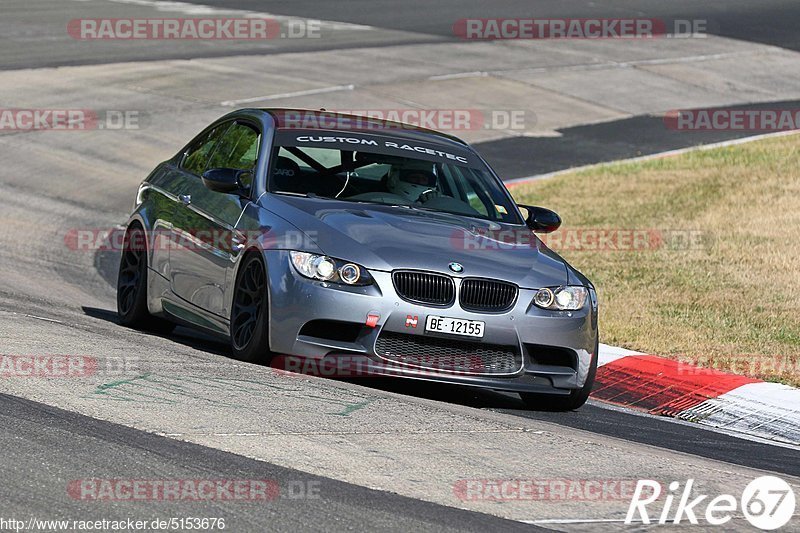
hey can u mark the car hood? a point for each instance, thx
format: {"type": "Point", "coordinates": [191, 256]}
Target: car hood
{"type": "Point", "coordinates": [383, 237]}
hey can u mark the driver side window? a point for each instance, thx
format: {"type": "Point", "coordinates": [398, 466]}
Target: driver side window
{"type": "Point", "coordinates": [238, 148]}
{"type": "Point", "coordinates": [196, 159]}
{"type": "Point", "coordinates": [229, 145]}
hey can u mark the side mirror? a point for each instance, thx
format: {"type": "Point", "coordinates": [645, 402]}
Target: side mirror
{"type": "Point", "coordinates": [226, 180]}
{"type": "Point", "coordinates": [541, 220]}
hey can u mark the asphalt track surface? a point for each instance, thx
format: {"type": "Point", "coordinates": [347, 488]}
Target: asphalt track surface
{"type": "Point", "coordinates": [773, 22]}
{"type": "Point", "coordinates": [769, 21]}
{"type": "Point", "coordinates": [45, 447]}
{"type": "Point", "coordinates": [597, 417]}
{"type": "Point", "coordinates": [61, 446]}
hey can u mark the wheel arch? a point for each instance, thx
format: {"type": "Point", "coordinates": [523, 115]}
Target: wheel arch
{"type": "Point", "coordinates": [137, 219]}
{"type": "Point", "coordinates": [252, 250]}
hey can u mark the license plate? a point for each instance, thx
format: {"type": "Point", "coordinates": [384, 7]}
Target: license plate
{"type": "Point", "coordinates": [454, 326]}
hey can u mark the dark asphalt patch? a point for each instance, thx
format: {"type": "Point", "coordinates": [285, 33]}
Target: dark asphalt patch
{"type": "Point", "coordinates": [520, 157]}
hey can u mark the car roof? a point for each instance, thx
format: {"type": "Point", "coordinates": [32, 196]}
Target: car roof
{"type": "Point", "coordinates": [320, 119]}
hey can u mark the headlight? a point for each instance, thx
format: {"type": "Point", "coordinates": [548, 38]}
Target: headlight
{"type": "Point", "coordinates": [569, 298]}
{"type": "Point", "coordinates": [324, 268]}
{"type": "Point", "coordinates": [350, 273]}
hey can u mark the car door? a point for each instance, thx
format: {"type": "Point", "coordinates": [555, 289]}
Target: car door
{"type": "Point", "coordinates": [205, 220]}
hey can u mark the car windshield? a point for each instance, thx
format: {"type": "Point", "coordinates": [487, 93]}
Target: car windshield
{"type": "Point", "coordinates": [375, 169]}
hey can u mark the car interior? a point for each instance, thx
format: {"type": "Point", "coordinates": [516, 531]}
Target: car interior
{"type": "Point", "coordinates": [386, 179]}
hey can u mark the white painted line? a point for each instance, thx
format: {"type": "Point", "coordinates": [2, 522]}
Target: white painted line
{"type": "Point", "coordinates": [600, 404]}
{"type": "Point", "coordinates": [294, 94]}
{"type": "Point", "coordinates": [659, 155]}
{"type": "Point", "coordinates": [602, 520]}
{"type": "Point", "coordinates": [215, 434]}
{"type": "Point", "coordinates": [459, 75]}
{"type": "Point", "coordinates": [43, 318]}
{"type": "Point", "coordinates": [638, 62]}
{"type": "Point", "coordinates": [766, 410]}
{"type": "Point", "coordinates": [575, 521]}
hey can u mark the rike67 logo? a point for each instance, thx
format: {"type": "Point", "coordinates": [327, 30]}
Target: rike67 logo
{"type": "Point", "coordinates": [768, 503]}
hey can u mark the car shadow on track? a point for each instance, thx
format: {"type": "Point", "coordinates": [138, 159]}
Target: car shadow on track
{"type": "Point", "coordinates": [461, 395]}
{"type": "Point", "coordinates": [182, 335]}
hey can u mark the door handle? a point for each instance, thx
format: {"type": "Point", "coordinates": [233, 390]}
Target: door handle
{"type": "Point", "coordinates": [186, 199]}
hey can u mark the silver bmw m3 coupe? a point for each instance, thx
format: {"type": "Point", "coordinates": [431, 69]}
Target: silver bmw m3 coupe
{"type": "Point", "coordinates": [324, 236]}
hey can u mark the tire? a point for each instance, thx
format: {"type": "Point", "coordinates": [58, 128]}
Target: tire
{"type": "Point", "coordinates": [132, 286]}
{"type": "Point", "coordinates": [575, 399]}
{"type": "Point", "coordinates": [250, 312]}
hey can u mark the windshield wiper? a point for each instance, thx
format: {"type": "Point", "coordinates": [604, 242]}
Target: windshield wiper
{"type": "Point", "coordinates": [302, 194]}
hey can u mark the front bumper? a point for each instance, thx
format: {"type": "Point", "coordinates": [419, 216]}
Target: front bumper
{"type": "Point", "coordinates": [556, 347]}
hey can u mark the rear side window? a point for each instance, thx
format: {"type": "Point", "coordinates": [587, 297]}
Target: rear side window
{"type": "Point", "coordinates": [197, 156]}
{"type": "Point", "coordinates": [237, 148]}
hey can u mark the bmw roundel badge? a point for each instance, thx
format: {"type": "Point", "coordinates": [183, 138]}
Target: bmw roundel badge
{"type": "Point", "coordinates": [456, 267]}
